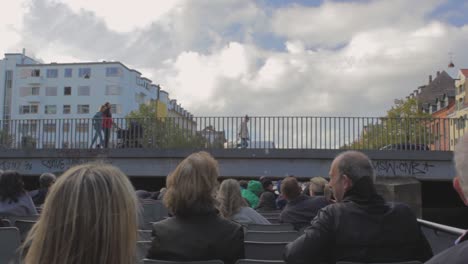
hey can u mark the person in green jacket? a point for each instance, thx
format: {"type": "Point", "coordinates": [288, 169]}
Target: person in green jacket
{"type": "Point", "coordinates": [252, 192]}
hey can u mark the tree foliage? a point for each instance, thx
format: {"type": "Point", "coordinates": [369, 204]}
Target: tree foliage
{"type": "Point", "coordinates": [404, 123]}
{"type": "Point", "coordinates": [164, 132]}
{"type": "Point", "coordinates": [6, 139]}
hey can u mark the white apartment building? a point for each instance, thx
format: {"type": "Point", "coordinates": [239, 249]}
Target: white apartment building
{"type": "Point", "coordinates": [33, 93]}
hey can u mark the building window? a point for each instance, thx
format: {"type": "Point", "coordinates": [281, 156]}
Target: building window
{"type": "Point", "coordinates": [67, 90]}
{"type": "Point", "coordinates": [68, 73]}
{"type": "Point", "coordinates": [66, 109]}
{"type": "Point", "coordinates": [83, 109]}
{"type": "Point", "coordinates": [29, 109]}
{"type": "Point", "coordinates": [84, 73]}
{"type": "Point", "coordinates": [51, 91]}
{"type": "Point", "coordinates": [113, 90]}
{"type": "Point", "coordinates": [28, 91]}
{"type": "Point", "coordinates": [116, 108]}
{"type": "Point", "coordinates": [113, 72]}
{"type": "Point", "coordinates": [65, 145]}
{"type": "Point", "coordinates": [83, 91]}
{"type": "Point", "coordinates": [36, 73]}
{"type": "Point", "coordinates": [52, 73]}
{"type": "Point", "coordinates": [50, 109]}
{"type": "Point", "coordinates": [82, 127]}
{"type": "Point", "coordinates": [49, 128]}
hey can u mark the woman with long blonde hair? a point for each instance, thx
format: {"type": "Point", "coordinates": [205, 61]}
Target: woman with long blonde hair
{"type": "Point", "coordinates": [233, 206]}
{"type": "Point", "coordinates": [89, 216]}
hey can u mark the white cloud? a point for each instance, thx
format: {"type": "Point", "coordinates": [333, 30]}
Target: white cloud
{"type": "Point", "coordinates": [125, 16]}
{"type": "Point", "coordinates": [10, 24]}
{"type": "Point", "coordinates": [338, 58]}
{"type": "Point", "coordinates": [334, 23]}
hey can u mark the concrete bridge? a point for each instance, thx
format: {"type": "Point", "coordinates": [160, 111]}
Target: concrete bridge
{"type": "Point", "coordinates": [251, 163]}
{"type": "Point", "coordinates": [399, 172]}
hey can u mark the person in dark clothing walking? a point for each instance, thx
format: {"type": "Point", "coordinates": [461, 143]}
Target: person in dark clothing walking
{"type": "Point", "coordinates": [107, 123]}
{"type": "Point", "coordinates": [98, 126]}
{"type": "Point", "coordinates": [360, 226]}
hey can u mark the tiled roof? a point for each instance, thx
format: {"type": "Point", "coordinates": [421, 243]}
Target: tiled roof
{"type": "Point", "coordinates": [464, 72]}
{"type": "Point", "coordinates": [442, 84]}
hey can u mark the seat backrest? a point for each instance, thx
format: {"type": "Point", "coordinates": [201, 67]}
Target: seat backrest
{"type": "Point", "coordinates": [258, 261]}
{"type": "Point", "coordinates": [157, 261]}
{"type": "Point", "coordinates": [264, 250]}
{"type": "Point", "coordinates": [145, 235]}
{"type": "Point", "coordinates": [153, 211]}
{"type": "Point", "coordinates": [271, 236]}
{"type": "Point", "coordinates": [142, 249]}
{"type": "Point", "coordinates": [24, 226]}
{"type": "Point", "coordinates": [5, 222]}
{"type": "Point", "coordinates": [270, 213]}
{"type": "Point", "coordinates": [272, 227]}
{"type": "Point", "coordinates": [13, 219]}
{"type": "Point", "coordinates": [273, 220]}
{"type": "Point", "coordinates": [9, 244]}
{"type": "Point", "coordinates": [401, 262]}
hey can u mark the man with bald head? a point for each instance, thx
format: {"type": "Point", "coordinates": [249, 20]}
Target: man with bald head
{"type": "Point", "coordinates": [458, 254]}
{"type": "Point", "coordinates": [360, 226]}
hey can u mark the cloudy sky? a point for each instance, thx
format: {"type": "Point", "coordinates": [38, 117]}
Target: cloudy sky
{"type": "Point", "coordinates": [263, 57]}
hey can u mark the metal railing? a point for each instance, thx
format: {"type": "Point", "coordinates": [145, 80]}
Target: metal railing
{"type": "Point", "coordinates": [439, 236]}
{"type": "Point", "coordinates": [361, 133]}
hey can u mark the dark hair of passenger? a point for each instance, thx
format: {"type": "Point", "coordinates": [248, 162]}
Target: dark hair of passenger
{"type": "Point", "coordinates": [191, 187]}
{"type": "Point", "coordinates": [47, 179]}
{"type": "Point", "coordinates": [243, 184]}
{"type": "Point", "coordinates": [267, 201]}
{"type": "Point", "coordinates": [11, 186]}
{"type": "Point", "coordinates": [290, 188]}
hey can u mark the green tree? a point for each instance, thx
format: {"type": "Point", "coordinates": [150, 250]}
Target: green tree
{"type": "Point", "coordinates": [164, 132]}
{"type": "Point", "coordinates": [6, 139]}
{"type": "Point", "coordinates": [405, 123]}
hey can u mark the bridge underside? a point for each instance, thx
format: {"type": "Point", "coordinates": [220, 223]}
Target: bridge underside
{"type": "Point", "coordinates": [422, 165]}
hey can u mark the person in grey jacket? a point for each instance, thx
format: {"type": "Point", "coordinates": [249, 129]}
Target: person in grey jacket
{"type": "Point", "coordinates": [232, 205]}
{"type": "Point", "coordinates": [97, 125]}
{"type": "Point", "coordinates": [14, 200]}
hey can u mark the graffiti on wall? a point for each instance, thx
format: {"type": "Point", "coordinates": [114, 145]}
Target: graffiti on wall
{"type": "Point", "coordinates": [402, 168]}
{"type": "Point", "coordinates": [43, 165]}
{"type": "Point", "coordinates": [18, 165]}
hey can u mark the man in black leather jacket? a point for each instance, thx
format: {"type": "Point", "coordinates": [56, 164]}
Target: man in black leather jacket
{"type": "Point", "coordinates": [360, 226]}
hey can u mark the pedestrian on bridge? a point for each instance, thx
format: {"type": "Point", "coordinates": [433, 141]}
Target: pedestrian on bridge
{"type": "Point", "coordinates": [97, 125]}
{"type": "Point", "coordinates": [244, 132]}
{"type": "Point", "coordinates": [107, 123]}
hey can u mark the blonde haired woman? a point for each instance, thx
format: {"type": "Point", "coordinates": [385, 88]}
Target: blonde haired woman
{"type": "Point", "coordinates": [196, 232]}
{"type": "Point", "coordinates": [89, 216]}
{"type": "Point", "coordinates": [234, 207]}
